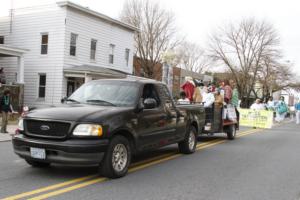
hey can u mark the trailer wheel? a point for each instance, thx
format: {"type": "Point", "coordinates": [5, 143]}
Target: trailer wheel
{"type": "Point", "coordinates": [117, 158]}
{"type": "Point", "coordinates": [188, 145]}
{"type": "Point", "coordinates": [231, 132]}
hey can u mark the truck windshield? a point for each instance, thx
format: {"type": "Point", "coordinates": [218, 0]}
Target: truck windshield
{"type": "Point", "coordinates": [106, 93]}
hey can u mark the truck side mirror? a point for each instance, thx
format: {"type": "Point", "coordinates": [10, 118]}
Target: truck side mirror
{"type": "Point", "coordinates": [63, 99]}
{"type": "Point", "coordinates": [150, 103]}
{"type": "Point", "coordinates": [140, 106]}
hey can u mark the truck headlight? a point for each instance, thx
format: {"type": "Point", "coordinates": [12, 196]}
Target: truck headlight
{"type": "Point", "coordinates": [21, 125]}
{"type": "Point", "coordinates": [88, 130]}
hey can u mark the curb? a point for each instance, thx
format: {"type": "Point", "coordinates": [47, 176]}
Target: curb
{"type": "Point", "coordinates": [8, 139]}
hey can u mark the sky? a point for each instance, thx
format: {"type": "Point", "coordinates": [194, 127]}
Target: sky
{"type": "Point", "coordinates": [196, 19]}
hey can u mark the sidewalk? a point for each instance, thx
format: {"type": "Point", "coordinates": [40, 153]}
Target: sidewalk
{"type": "Point", "coordinates": [7, 136]}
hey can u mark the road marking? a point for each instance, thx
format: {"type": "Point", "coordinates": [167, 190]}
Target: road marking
{"type": "Point", "coordinates": [68, 189]}
{"type": "Point", "coordinates": [134, 167]}
{"type": "Point", "coordinates": [51, 187]}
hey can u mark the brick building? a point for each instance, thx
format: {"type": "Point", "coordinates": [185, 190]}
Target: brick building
{"type": "Point", "coordinates": [138, 71]}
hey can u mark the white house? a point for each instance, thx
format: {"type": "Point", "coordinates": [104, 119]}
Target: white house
{"type": "Point", "coordinates": [60, 46]}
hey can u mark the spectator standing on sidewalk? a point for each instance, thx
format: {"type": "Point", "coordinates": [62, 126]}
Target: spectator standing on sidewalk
{"type": "Point", "coordinates": [297, 110]}
{"type": "Point", "coordinates": [6, 108]}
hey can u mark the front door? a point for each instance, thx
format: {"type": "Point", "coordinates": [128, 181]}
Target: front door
{"type": "Point", "coordinates": [73, 84]}
{"type": "Point", "coordinates": [152, 123]}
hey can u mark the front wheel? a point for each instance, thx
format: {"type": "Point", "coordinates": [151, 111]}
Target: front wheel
{"type": "Point", "coordinates": [117, 158]}
{"type": "Point", "coordinates": [231, 132]}
{"type": "Point", "coordinates": [188, 145]}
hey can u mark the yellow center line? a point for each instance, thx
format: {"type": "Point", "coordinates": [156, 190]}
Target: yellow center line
{"type": "Point", "coordinates": [51, 187]}
{"type": "Point", "coordinates": [68, 189]}
{"type": "Point", "coordinates": [134, 167]}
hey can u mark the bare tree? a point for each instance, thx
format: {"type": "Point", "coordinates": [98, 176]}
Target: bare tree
{"type": "Point", "coordinates": [276, 76]}
{"type": "Point", "coordinates": [241, 48]}
{"type": "Point", "coordinates": [192, 57]}
{"type": "Point", "coordinates": [156, 31]}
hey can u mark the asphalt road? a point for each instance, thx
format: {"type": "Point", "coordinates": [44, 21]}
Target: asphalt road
{"type": "Point", "coordinates": [259, 164]}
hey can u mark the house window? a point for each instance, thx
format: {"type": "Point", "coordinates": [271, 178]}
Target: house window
{"type": "Point", "coordinates": [1, 39]}
{"type": "Point", "coordinates": [111, 54]}
{"type": "Point", "coordinates": [42, 85]}
{"type": "Point", "coordinates": [127, 52]}
{"type": "Point", "coordinates": [73, 44]}
{"type": "Point", "coordinates": [93, 49]}
{"type": "Point", "coordinates": [44, 43]}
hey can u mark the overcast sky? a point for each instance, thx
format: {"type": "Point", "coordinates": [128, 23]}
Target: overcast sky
{"type": "Point", "coordinates": [198, 18]}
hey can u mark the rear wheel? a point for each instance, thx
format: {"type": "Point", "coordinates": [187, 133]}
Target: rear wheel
{"type": "Point", "coordinates": [117, 158]}
{"type": "Point", "coordinates": [231, 132]}
{"type": "Point", "coordinates": [188, 145]}
{"type": "Point", "coordinates": [38, 164]}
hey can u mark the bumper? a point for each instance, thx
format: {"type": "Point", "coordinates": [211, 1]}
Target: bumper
{"type": "Point", "coordinates": [73, 151]}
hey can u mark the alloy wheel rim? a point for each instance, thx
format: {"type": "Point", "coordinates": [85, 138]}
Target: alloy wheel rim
{"type": "Point", "coordinates": [191, 140]}
{"type": "Point", "coordinates": [119, 157]}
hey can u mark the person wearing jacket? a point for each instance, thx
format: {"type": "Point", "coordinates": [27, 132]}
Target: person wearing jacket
{"type": "Point", "coordinates": [219, 99]}
{"type": "Point", "coordinates": [227, 92]}
{"type": "Point", "coordinates": [281, 110]}
{"type": "Point", "coordinates": [6, 108]}
{"type": "Point", "coordinates": [208, 97]}
{"type": "Point", "coordinates": [297, 110]}
{"type": "Point", "coordinates": [189, 87]}
{"type": "Point", "coordinates": [197, 96]}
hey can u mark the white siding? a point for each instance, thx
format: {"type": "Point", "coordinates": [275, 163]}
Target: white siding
{"type": "Point", "coordinates": [59, 23]}
{"type": "Point", "coordinates": [89, 27]}
{"type": "Point", "coordinates": [28, 24]}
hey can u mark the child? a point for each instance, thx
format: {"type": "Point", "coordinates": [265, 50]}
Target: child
{"type": "Point", "coordinates": [183, 99]}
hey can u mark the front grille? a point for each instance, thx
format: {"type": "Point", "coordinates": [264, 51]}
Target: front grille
{"type": "Point", "coordinates": [47, 129]}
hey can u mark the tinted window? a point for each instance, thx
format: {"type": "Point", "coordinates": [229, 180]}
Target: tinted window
{"type": "Point", "coordinates": [107, 93]}
{"type": "Point", "coordinates": [149, 91]}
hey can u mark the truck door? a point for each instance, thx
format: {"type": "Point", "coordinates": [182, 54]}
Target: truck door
{"type": "Point", "coordinates": [171, 114]}
{"type": "Point", "coordinates": [152, 123]}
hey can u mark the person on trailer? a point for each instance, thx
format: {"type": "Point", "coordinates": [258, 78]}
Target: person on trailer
{"type": "Point", "coordinates": [188, 87]}
{"type": "Point", "coordinates": [197, 96]}
{"type": "Point", "coordinates": [183, 99]}
{"type": "Point", "coordinates": [208, 97]}
{"type": "Point", "coordinates": [219, 99]}
{"type": "Point", "coordinates": [227, 92]}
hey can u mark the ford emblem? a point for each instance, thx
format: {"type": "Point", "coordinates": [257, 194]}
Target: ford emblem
{"type": "Point", "coordinates": [44, 127]}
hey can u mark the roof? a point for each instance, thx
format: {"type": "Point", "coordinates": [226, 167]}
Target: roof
{"type": "Point", "coordinates": [8, 51]}
{"type": "Point", "coordinates": [133, 79]}
{"type": "Point", "coordinates": [91, 69]}
{"type": "Point", "coordinates": [97, 14]}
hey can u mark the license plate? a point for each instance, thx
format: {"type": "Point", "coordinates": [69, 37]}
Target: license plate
{"type": "Point", "coordinates": [38, 153]}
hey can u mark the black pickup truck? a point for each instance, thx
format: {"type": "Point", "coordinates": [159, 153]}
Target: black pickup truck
{"type": "Point", "coordinates": [106, 122]}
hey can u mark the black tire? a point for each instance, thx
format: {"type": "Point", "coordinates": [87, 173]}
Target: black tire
{"type": "Point", "coordinates": [38, 164]}
{"type": "Point", "coordinates": [185, 146]}
{"type": "Point", "coordinates": [231, 132]}
{"type": "Point", "coordinates": [107, 167]}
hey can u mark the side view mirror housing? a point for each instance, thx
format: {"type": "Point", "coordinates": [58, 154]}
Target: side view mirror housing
{"type": "Point", "coordinates": [150, 103]}
{"type": "Point", "coordinates": [63, 99]}
{"type": "Point", "coordinates": [140, 106]}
